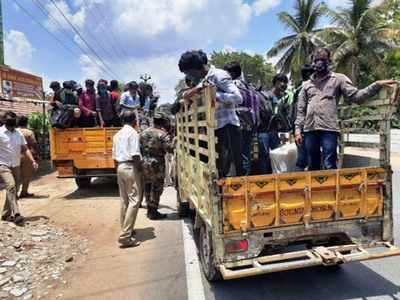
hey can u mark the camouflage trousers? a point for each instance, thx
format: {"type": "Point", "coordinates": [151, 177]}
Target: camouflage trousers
{"type": "Point", "coordinates": [153, 176]}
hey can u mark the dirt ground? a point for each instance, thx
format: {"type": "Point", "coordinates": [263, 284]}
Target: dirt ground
{"type": "Point", "coordinates": [106, 271]}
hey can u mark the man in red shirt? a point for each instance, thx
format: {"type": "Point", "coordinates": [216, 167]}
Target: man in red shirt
{"type": "Point", "coordinates": [115, 96]}
{"type": "Point", "coordinates": [87, 105]}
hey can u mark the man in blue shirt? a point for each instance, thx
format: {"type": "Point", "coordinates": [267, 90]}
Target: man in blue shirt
{"type": "Point", "coordinates": [194, 64]}
{"type": "Point", "coordinates": [130, 99]}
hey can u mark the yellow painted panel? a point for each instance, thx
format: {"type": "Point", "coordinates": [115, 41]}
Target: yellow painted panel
{"type": "Point", "coordinates": [263, 209]}
{"type": "Point", "coordinates": [375, 201]}
{"type": "Point", "coordinates": [292, 207]}
{"type": "Point", "coordinates": [349, 203]}
{"type": "Point", "coordinates": [323, 204]}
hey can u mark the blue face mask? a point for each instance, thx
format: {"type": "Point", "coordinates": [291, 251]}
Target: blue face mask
{"type": "Point", "coordinates": [102, 91]}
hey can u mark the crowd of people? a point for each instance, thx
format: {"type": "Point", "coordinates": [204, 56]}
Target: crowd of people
{"type": "Point", "coordinates": [244, 113]}
{"type": "Point", "coordinates": [99, 104]}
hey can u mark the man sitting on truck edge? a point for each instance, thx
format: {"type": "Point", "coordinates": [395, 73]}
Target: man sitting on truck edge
{"type": "Point", "coordinates": [317, 109]}
{"type": "Point", "coordinates": [194, 64]}
{"type": "Point", "coordinates": [126, 152]}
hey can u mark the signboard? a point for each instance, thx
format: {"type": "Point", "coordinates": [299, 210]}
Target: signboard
{"type": "Point", "coordinates": [17, 84]}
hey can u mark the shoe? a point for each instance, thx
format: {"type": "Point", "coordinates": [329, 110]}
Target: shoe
{"type": "Point", "coordinates": [128, 242]}
{"type": "Point", "coordinates": [26, 195]}
{"type": "Point", "coordinates": [133, 233]}
{"type": "Point", "coordinates": [7, 218]}
{"type": "Point", "coordinates": [153, 214]}
{"type": "Point", "coordinates": [19, 220]}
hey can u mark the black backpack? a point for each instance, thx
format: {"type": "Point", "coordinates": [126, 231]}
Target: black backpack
{"type": "Point", "coordinates": [61, 118]}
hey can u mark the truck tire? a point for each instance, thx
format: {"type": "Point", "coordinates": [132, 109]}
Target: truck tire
{"type": "Point", "coordinates": [206, 253]}
{"type": "Point", "coordinates": [83, 183]}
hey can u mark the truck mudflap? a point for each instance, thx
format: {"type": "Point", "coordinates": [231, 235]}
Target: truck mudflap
{"type": "Point", "coordinates": [319, 256]}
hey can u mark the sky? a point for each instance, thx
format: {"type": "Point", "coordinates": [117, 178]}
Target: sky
{"type": "Point", "coordinates": [134, 37]}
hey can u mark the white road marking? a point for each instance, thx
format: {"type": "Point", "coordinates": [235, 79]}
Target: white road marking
{"type": "Point", "coordinates": [195, 288]}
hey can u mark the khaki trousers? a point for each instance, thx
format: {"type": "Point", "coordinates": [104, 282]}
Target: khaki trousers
{"type": "Point", "coordinates": [129, 183]}
{"type": "Point", "coordinates": [9, 180]}
{"type": "Point", "coordinates": [26, 174]}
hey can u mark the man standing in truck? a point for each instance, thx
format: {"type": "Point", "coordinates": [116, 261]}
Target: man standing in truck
{"type": "Point", "coordinates": [194, 64]}
{"type": "Point", "coordinates": [317, 110]}
{"type": "Point", "coordinates": [126, 152]}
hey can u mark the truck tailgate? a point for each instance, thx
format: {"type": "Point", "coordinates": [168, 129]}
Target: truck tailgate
{"type": "Point", "coordinates": [257, 202]}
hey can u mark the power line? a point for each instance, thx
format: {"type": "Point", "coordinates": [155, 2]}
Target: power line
{"type": "Point", "coordinates": [44, 28]}
{"type": "Point", "coordinates": [112, 33]}
{"type": "Point", "coordinates": [98, 19]}
{"type": "Point", "coordinates": [83, 39]}
{"type": "Point", "coordinates": [48, 14]}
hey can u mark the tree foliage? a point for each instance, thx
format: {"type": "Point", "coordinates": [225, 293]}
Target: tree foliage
{"type": "Point", "coordinates": [359, 38]}
{"type": "Point", "coordinates": [295, 49]}
{"type": "Point", "coordinates": [255, 67]}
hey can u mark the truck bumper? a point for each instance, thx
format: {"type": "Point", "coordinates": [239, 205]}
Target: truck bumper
{"type": "Point", "coordinates": [319, 256]}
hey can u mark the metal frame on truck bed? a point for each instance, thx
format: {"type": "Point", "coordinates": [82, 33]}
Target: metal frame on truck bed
{"type": "Point", "coordinates": [262, 224]}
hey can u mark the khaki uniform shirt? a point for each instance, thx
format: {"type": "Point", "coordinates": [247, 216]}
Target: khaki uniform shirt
{"type": "Point", "coordinates": [317, 107]}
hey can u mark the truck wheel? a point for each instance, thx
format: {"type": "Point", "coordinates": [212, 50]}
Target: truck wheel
{"type": "Point", "coordinates": [183, 207]}
{"type": "Point", "coordinates": [207, 255]}
{"type": "Point", "coordinates": [83, 183]}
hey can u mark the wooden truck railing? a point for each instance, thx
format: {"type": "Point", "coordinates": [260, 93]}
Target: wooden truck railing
{"type": "Point", "coordinates": [350, 209]}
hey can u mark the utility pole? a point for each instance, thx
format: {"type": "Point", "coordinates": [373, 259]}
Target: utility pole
{"type": "Point", "coordinates": [144, 77]}
{"type": "Point", "coordinates": [1, 36]}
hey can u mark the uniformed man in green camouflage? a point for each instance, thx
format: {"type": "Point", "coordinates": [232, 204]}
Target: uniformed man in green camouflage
{"type": "Point", "coordinates": [155, 143]}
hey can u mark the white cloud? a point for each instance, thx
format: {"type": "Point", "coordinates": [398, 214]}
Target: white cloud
{"type": "Point", "coordinates": [90, 68]}
{"type": "Point", "coordinates": [346, 3]}
{"type": "Point", "coordinates": [153, 33]}
{"type": "Point", "coordinates": [262, 6]}
{"type": "Point", "coordinates": [18, 50]}
{"type": "Point", "coordinates": [76, 18]}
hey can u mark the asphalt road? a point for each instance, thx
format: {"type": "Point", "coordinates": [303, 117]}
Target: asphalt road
{"type": "Point", "coordinates": [165, 265]}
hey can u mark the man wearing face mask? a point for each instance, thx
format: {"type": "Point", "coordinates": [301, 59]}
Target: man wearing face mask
{"type": "Point", "coordinates": [87, 104]}
{"type": "Point", "coordinates": [12, 145]}
{"type": "Point", "coordinates": [105, 105]}
{"type": "Point", "coordinates": [317, 110]}
{"type": "Point", "coordinates": [194, 64]}
{"type": "Point", "coordinates": [268, 138]}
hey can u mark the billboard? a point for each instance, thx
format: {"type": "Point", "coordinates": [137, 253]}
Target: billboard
{"type": "Point", "coordinates": [17, 84]}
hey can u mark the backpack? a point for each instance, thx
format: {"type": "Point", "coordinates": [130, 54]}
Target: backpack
{"type": "Point", "coordinates": [61, 118]}
{"type": "Point", "coordinates": [284, 114]}
{"type": "Point", "coordinates": [248, 107]}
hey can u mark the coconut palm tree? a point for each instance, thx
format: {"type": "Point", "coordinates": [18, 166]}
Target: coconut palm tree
{"type": "Point", "coordinates": [360, 37]}
{"type": "Point", "coordinates": [294, 50]}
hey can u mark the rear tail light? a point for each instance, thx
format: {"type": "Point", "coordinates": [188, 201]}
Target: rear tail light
{"type": "Point", "coordinates": [233, 246]}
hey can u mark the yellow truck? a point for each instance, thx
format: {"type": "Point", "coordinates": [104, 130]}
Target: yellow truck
{"type": "Point", "coordinates": [82, 153]}
{"type": "Point", "coordinates": [270, 223]}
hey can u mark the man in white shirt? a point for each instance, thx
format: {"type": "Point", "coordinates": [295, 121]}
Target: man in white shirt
{"type": "Point", "coordinates": [126, 152]}
{"type": "Point", "coordinates": [12, 145]}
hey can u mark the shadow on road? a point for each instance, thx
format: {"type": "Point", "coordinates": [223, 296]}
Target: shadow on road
{"type": "Point", "coordinates": [99, 188]}
{"type": "Point", "coordinates": [145, 234]}
{"type": "Point", "coordinates": [351, 281]}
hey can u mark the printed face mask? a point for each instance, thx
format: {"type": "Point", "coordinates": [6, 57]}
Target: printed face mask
{"type": "Point", "coordinates": [321, 66]}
